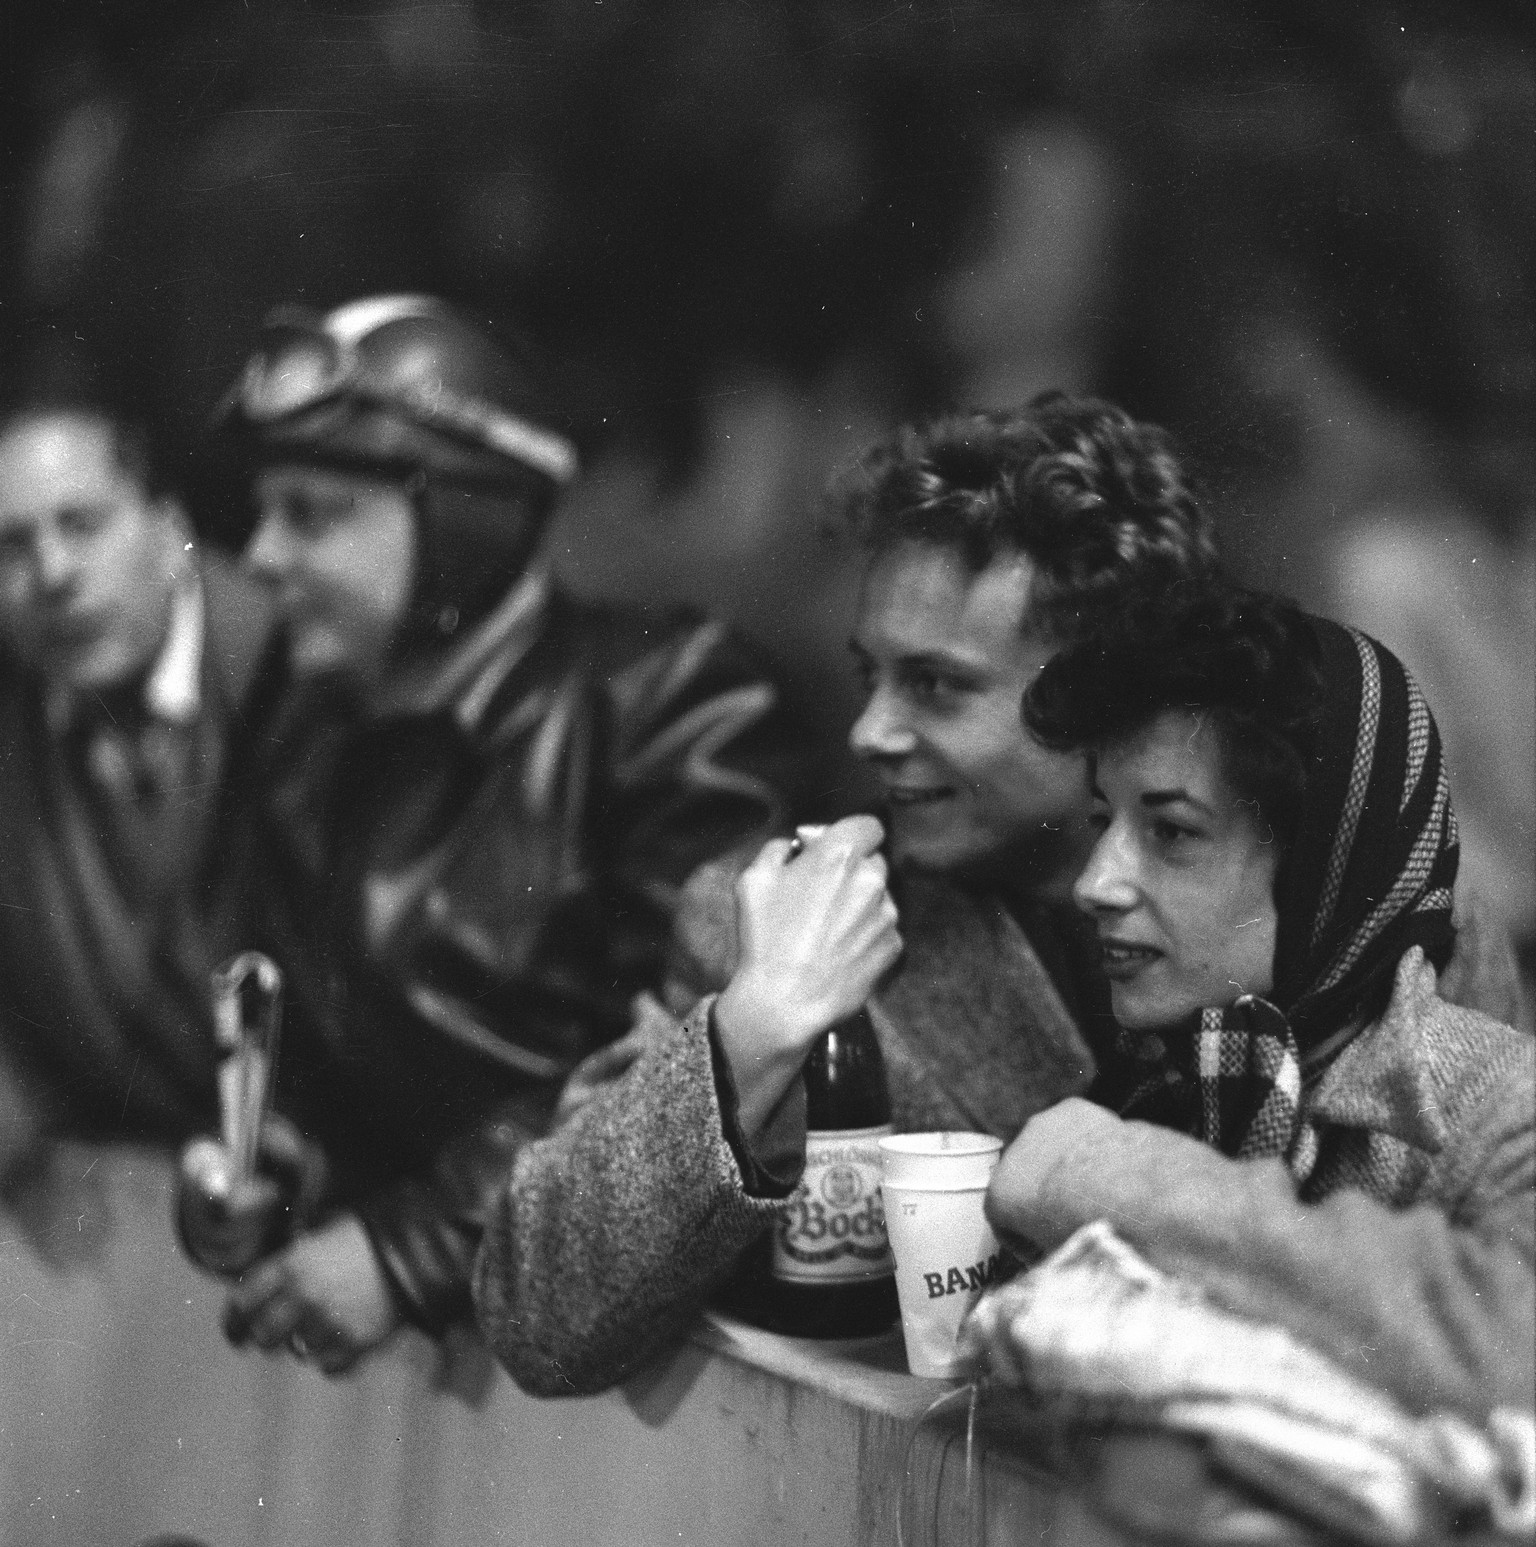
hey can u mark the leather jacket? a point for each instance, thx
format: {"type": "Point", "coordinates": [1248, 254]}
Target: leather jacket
{"type": "Point", "coordinates": [472, 881]}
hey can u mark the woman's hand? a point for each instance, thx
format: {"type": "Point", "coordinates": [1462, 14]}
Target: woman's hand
{"type": "Point", "coordinates": [325, 1298]}
{"type": "Point", "coordinates": [1060, 1172]}
{"type": "Point", "coordinates": [817, 931]}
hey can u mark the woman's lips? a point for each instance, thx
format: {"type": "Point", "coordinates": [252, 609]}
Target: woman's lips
{"type": "Point", "coordinates": [912, 797]}
{"type": "Point", "coordinates": [1123, 959]}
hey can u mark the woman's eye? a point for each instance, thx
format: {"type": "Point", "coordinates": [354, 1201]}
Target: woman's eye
{"type": "Point", "coordinates": [1098, 822]}
{"type": "Point", "coordinates": [1171, 834]}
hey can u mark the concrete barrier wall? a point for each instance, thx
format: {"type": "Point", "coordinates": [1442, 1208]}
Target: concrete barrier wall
{"type": "Point", "coordinates": [124, 1414]}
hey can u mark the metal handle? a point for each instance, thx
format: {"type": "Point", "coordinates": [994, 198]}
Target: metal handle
{"type": "Point", "coordinates": [247, 1020]}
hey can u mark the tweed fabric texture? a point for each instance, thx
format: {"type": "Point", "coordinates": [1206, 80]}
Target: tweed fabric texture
{"type": "Point", "coordinates": [1407, 1255]}
{"type": "Point", "coordinates": [613, 1232]}
{"type": "Point", "coordinates": [1435, 1103]}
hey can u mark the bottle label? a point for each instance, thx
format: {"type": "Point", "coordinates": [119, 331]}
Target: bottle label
{"type": "Point", "coordinates": [832, 1229]}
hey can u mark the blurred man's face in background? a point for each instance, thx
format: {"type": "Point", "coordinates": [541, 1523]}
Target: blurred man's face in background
{"type": "Point", "coordinates": [339, 552]}
{"type": "Point", "coordinates": [88, 561]}
{"type": "Point", "coordinates": [946, 660]}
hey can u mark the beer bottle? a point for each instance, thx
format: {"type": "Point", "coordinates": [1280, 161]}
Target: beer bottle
{"type": "Point", "coordinates": [831, 1272]}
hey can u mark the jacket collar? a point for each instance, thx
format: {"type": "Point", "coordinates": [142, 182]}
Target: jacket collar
{"type": "Point", "coordinates": [967, 964]}
{"type": "Point", "coordinates": [1382, 1080]}
{"type": "Point", "coordinates": [463, 680]}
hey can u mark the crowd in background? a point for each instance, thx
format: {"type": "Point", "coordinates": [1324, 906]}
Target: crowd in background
{"type": "Point", "coordinates": [753, 237]}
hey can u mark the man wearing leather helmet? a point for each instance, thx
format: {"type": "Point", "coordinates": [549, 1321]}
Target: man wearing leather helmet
{"type": "Point", "coordinates": [479, 810]}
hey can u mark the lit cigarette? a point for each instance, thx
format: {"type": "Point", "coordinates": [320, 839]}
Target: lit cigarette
{"type": "Point", "coordinates": [803, 835]}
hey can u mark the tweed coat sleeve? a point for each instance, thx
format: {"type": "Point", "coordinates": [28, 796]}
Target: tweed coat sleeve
{"type": "Point", "coordinates": [614, 1231]}
{"type": "Point", "coordinates": [1416, 1268]}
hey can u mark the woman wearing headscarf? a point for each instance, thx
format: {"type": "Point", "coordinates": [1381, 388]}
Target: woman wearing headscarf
{"type": "Point", "coordinates": [1293, 1116]}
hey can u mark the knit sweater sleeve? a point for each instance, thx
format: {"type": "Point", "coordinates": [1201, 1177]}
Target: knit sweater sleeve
{"type": "Point", "coordinates": [611, 1233]}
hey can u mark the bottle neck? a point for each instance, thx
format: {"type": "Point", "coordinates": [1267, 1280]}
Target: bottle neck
{"type": "Point", "coordinates": [845, 1083]}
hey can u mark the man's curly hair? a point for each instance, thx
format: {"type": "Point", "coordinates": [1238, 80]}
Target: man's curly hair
{"type": "Point", "coordinates": [1098, 500]}
{"type": "Point", "coordinates": [1245, 662]}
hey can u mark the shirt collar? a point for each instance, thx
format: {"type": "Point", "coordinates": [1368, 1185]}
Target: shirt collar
{"type": "Point", "coordinates": [173, 689]}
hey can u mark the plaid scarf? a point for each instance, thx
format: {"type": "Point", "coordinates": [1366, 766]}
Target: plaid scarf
{"type": "Point", "coordinates": [1370, 875]}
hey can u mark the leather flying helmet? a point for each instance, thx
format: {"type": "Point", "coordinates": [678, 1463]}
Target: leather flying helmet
{"type": "Point", "coordinates": [402, 387]}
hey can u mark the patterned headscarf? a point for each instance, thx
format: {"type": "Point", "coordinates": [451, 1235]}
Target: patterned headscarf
{"type": "Point", "coordinates": [1369, 876]}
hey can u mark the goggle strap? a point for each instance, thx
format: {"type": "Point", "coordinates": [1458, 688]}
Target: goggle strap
{"type": "Point", "coordinates": [542, 450]}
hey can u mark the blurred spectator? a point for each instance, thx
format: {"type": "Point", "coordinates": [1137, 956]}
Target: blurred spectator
{"type": "Point", "coordinates": [486, 799]}
{"type": "Point", "coordinates": [126, 658]}
{"type": "Point", "coordinates": [1024, 309]}
{"type": "Point", "coordinates": [1380, 526]}
{"type": "Point", "coordinates": [1459, 606]}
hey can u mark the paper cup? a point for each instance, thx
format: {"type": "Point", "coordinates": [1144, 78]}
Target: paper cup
{"type": "Point", "coordinates": [934, 1185]}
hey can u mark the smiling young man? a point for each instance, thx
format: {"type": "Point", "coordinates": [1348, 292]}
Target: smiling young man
{"type": "Point", "coordinates": [128, 662]}
{"type": "Point", "coordinates": [991, 539]}
{"type": "Point", "coordinates": [943, 648]}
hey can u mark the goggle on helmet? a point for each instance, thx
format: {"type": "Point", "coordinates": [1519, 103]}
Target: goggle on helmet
{"type": "Point", "coordinates": [397, 380]}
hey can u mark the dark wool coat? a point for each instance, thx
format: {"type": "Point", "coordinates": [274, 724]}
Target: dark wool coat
{"type": "Point", "coordinates": [104, 1014]}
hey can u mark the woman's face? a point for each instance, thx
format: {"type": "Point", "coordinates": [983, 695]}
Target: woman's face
{"type": "Point", "coordinates": [1181, 879]}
